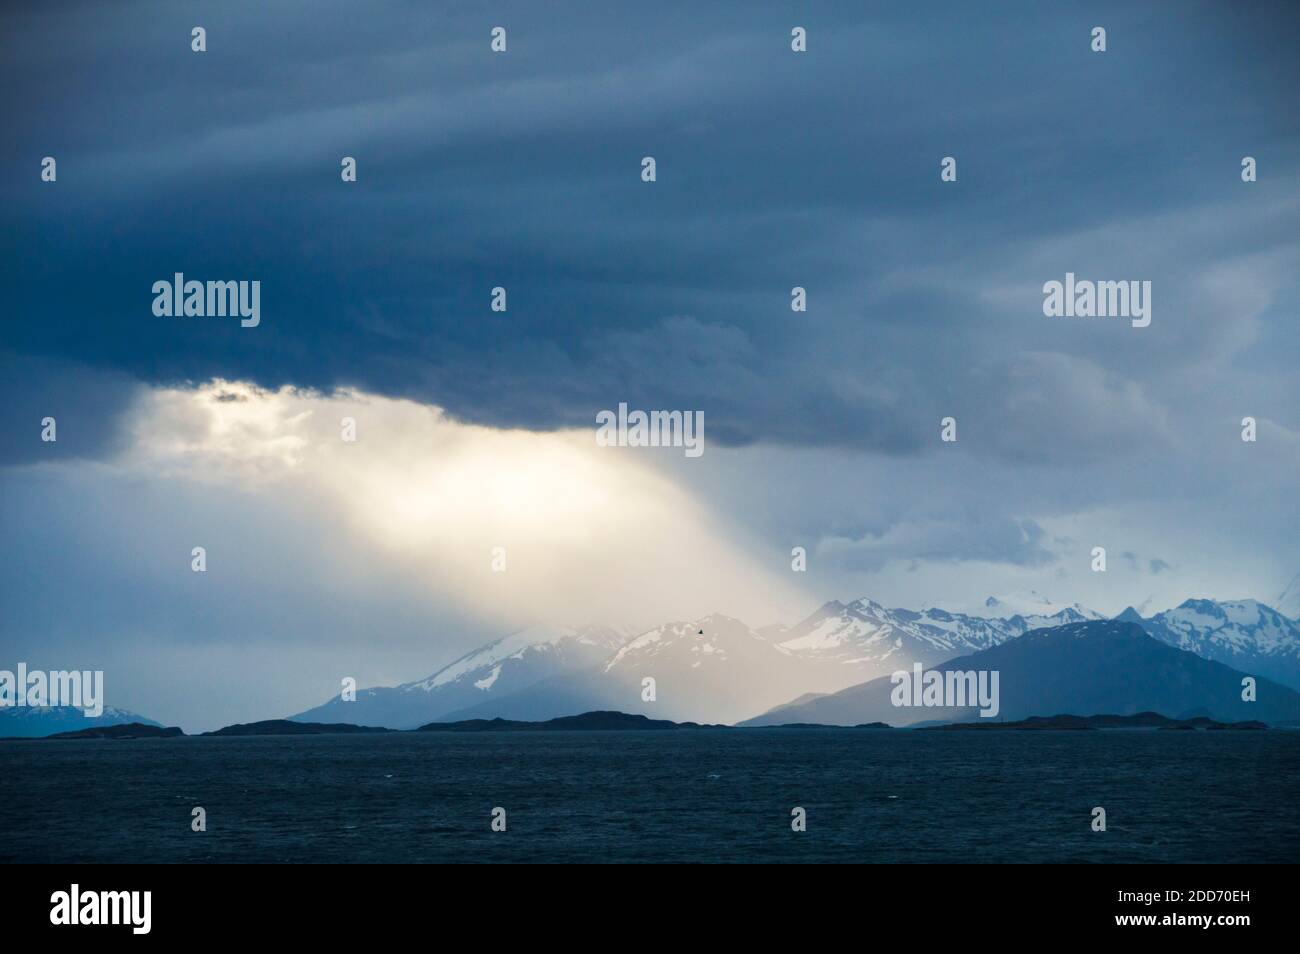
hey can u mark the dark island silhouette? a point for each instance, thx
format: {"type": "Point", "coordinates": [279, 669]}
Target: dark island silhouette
{"type": "Point", "coordinates": [602, 720]}
{"type": "Point", "coordinates": [285, 727]}
{"type": "Point", "coordinates": [611, 721]}
{"type": "Point", "coordinates": [125, 730]}
{"type": "Point", "coordinates": [599, 721]}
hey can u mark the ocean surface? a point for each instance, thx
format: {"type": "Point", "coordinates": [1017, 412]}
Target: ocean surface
{"type": "Point", "coordinates": [683, 796]}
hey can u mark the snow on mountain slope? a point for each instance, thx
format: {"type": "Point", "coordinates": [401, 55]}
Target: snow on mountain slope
{"type": "Point", "coordinates": [1244, 634]}
{"type": "Point", "coordinates": [713, 640]}
{"type": "Point", "coordinates": [716, 668]}
{"type": "Point", "coordinates": [1037, 610]}
{"type": "Point", "coordinates": [719, 669]}
{"type": "Point", "coordinates": [711, 669]}
{"type": "Point", "coordinates": [849, 643]}
{"type": "Point", "coordinates": [1089, 668]}
{"type": "Point", "coordinates": [485, 664]}
{"type": "Point", "coordinates": [1073, 613]}
{"type": "Point", "coordinates": [706, 670]}
{"type": "Point", "coordinates": [508, 665]}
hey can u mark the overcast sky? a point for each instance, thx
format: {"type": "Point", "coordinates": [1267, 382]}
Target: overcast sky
{"type": "Point", "coordinates": [475, 428]}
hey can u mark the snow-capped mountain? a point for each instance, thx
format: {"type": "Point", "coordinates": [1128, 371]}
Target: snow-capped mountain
{"type": "Point", "coordinates": [853, 642]}
{"type": "Point", "coordinates": [714, 669]}
{"type": "Point", "coordinates": [707, 670]}
{"type": "Point", "coordinates": [537, 648]}
{"type": "Point", "coordinates": [713, 641]}
{"type": "Point", "coordinates": [1034, 609]}
{"type": "Point", "coordinates": [1090, 668]}
{"type": "Point", "coordinates": [857, 641]}
{"type": "Point", "coordinates": [704, 670]}
{"type": "Point", "coordinates": [1074, 613]}
{"type": "Point", "coordinates": [719, 669]}
{"type": "Point", "coordinates": [508, 665]}
{"type": "Point", "coordinates": [1243, 634]}
{"type": "Point", "coordinates": [30, 722]}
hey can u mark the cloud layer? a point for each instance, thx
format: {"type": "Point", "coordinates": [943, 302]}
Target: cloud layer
{"type": "Point", "coordinates": [522, 170]}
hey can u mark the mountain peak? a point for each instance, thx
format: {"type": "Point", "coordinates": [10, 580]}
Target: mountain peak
{"type": "Point", "coordinates": [515, 646]}
{"type": "Point", "coordinates": [1091, 629]}
{"type": "Point", "coordinates": [830, 608]}
{"type": "Point", "coordinates": [865, 604]}
{"type": "Point", "coordinates": [1029, 605]}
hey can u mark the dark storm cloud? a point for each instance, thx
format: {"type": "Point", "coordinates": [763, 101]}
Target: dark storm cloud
{"type": "Point", "coordinates": [522, 170]}
{"type": "Point", "coordinates": [86, 405]}
{"type": "Point", "coordinates": [972, 537]}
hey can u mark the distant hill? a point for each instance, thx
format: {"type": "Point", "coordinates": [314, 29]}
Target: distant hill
{"type": "Point", "coordinates": [587, 721]}
{"type": "Point", "coordinates": [287, 727]}
{"type": "Point", "coordinates": [819, 725]}
{"type": "Point", "coordinates": [32, 722]}
{"type": "Point", "coordinates": [129, 730]}
{"type": "Point", "coordinates": [601, 721]}
{"type": "Point", "coordinates": [1104, 666]}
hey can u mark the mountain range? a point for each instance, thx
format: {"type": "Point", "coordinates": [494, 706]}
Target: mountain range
{"type": "Point", "coordinates": [1244, 634]}
{"type": "Point", "coordinates": [1100, 666]}
{"type": "Point", "coordinates": [718, 669]}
